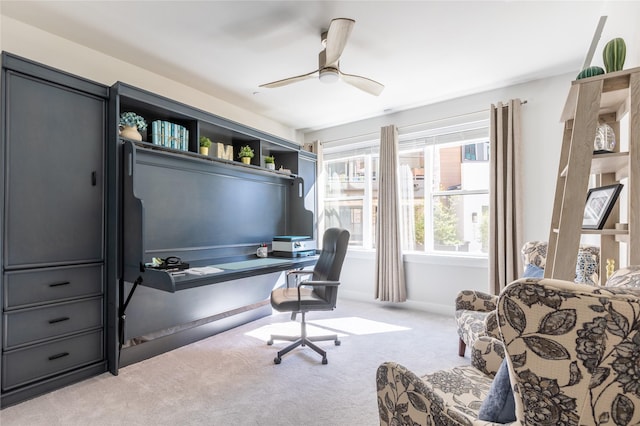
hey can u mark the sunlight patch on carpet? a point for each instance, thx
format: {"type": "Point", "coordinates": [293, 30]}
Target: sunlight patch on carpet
{"type": "Point", "coordinates": [343, 327]}
{"type": "Point", "coordinates": [289, 328]}
{"type": "Point", "coordinates": [357, 325]}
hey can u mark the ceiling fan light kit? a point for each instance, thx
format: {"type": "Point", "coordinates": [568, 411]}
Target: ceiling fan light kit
{"type": "Point", "coordinates": [329, 75]}
{"type": "Point", "coordinates": [334, 41]}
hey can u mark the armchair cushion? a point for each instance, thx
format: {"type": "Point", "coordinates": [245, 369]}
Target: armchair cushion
{"type": "Point", "coordinates": [499, 405]}
{"type": "Point", "coordinates": [448, 397]}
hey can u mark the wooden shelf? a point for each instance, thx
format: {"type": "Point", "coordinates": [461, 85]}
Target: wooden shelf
{"type": "Point", "coordinates": [615, 94]}
{"type": "Point", "coordinates": [615, 162]}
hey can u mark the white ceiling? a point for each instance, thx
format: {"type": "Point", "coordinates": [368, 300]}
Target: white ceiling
{"type": "Point", "coordinates": [422, 51]}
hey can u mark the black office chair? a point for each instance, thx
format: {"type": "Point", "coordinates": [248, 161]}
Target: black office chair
{"type": "Point", "coordinates": [319, 293]}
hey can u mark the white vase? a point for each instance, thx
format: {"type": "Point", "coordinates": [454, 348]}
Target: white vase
{"type": "Point", "coordinates": [131, 132]}
{"type": "Point", "coordinates": [270, 166]}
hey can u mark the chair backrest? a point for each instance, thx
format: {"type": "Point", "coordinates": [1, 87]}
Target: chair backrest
{"type": "Point", "coordinates": [573, 351]}
{"type": "Point", "coordinates": [334, 248]}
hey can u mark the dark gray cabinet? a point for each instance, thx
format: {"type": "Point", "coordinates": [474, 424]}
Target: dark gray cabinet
{"type": "Point", "coordinates": [53, 232]}
{"type": "Point", "coordinates": [54, 174]}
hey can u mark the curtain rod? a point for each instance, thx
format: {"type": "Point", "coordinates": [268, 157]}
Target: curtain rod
{"type": "Point", "coordinates": [407, 127]}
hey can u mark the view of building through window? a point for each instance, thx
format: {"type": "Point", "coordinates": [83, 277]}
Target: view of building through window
{"type": "Point", "coordinates": [444, 186]}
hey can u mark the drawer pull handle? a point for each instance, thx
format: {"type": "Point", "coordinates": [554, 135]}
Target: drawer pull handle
{"type": "Point", "coordinates": [60, 355]}
{"type": "Point", "coordinates": [59, 284]}
{"type": "Point", "coordinates": [55, 320]}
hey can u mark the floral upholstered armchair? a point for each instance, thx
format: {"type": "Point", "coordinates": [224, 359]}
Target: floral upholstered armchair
{"type": "Point", "coordinates": [475, 310]}
{"type": "Point", "coordinates": [572, 357]}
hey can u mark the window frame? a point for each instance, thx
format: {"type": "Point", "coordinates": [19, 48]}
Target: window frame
{"type": "Point", "coordinates": [367, 146]}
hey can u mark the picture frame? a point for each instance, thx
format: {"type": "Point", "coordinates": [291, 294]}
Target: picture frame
{"type": "Point", "coordinates": [599, 203]}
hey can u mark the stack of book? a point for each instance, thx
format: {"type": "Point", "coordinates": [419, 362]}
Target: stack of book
{"type": "Point", "coordinates": [170, 135]}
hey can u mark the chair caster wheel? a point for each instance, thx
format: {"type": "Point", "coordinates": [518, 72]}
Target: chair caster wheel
{"type": "Point", "coordinates": [270, 342]}
{"type": "Point", "coordinates": [324, 360]}
{"type": "Point", "coordinates": [337, 342]}
{"type": "Point", "coordinates": [277, 360]}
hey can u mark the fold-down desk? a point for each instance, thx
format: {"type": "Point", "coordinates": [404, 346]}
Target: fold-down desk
{"type": "Point", "coordinates": [209, 213]}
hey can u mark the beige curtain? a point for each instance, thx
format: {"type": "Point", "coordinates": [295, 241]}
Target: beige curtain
{"type": "Point", "coordinates": [505, 211]}
{"type": "Point", "coordinates": [390, 282]}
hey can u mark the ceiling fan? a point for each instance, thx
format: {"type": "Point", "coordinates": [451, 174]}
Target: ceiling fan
{"type": "Point", "coordinates": [334, 41]}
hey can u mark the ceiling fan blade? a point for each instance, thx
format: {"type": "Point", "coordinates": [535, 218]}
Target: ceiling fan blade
{"type": "Point", "coordinates": [363, 83]}
{"type": "Point", "coordinates": [289, 80]}
{"type": "Point", "coordinates": [337, 36]}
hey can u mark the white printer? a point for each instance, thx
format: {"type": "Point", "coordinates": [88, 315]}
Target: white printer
{"type": "Point", "coordinates": [293, 246]}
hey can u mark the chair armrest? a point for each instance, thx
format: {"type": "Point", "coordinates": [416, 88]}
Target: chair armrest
{"type": "Point", "coordinates": [476, 301]}
{"type": "Point", "coordinates": [487, 354]}
{"type": "Point", "coordinates": [491, 327]}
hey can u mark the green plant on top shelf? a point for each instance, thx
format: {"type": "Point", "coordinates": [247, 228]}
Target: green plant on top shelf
{"type": "Point", "coordinates": [205, 142]}
{"type": "Point", "coordinates": [269, 159]}
{"type": "Point", "coordinates": [245, 152]}
{"type": "Point", "coordinates": [131, 119]}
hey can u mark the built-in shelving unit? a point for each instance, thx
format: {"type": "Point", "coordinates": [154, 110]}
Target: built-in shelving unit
{"type": "Point", "coordinates": [200, 123]}
{"type": "Point", "coordinates": [208, 211]}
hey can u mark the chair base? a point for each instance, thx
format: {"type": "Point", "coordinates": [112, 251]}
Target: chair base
{"type": "Point", "coordinates": [302, 340]}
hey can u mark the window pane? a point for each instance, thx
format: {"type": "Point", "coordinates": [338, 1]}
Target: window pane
{"type": "Point", "coordinates": [464, 167]}
{"type": "Point", "coordinates": [461, 223]}
{"type": "Point", "coordinates": [412, 199]}
{"type": "Point", "coordinates": [345, 214]}
{"type": "Point", "coordinates": [344, 196]}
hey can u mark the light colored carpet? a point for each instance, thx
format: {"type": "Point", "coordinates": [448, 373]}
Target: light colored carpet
{"type": "Point", "coordinates": [230, 378]}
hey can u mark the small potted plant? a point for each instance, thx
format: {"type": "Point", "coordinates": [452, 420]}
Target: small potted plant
{"type": "Point", "coordinates": [131, 123]}
{"type": "Point", "coordinates": [205, 143]}
{"type": "Point", "coordinates": [246, 154]}
{"type": "Point", "coordinates": [270, 162]}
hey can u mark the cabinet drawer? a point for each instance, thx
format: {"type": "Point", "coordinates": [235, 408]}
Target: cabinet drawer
{"type": "Point", "coordinates": [22, 366]}
{"type": "Point", "coordinates": [23, 288]}
{"type": "Point", "coordinates": [31, 325]}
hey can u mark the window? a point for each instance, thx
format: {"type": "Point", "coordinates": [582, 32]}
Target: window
{"type": "Point", "coordinates": [444, 186]}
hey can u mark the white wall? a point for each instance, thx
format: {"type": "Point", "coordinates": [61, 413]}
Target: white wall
{"type": "Point", "coordinates": [433, 281]}
{"type": "Point", "coordinates": [46, 48]}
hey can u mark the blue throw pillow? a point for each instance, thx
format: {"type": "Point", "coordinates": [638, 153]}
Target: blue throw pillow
{"type": "Point", "coordinates": [533, 271]}
{"type": "Point", "coordinates": [499, 406]}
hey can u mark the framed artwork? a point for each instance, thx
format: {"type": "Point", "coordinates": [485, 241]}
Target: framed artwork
{"type": "Point", "coordinates": [600, 201]}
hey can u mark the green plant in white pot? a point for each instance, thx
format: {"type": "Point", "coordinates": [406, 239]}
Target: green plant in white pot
{"type": "Point", "coordinates": [246, 154]}
{"type": "Point", "coordinates": [205, 143]}
{"type": "Point", "coordinates": [270, 162]}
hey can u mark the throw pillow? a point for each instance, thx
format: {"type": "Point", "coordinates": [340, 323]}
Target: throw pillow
{"type": "Point", "coordinates": [586, 267]}
{"type": "Point", "coordinates": [499, 406]}
{"type": "Point", "coordinates": [533, 271]}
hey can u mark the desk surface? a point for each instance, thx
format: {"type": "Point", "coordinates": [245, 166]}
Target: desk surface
{"type": "Point", "coordinates": [231, 270]}
{"type": "Point", "coordinates": [252, 263]}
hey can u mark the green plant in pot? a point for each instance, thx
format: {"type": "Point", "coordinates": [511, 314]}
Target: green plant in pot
{"type": "Point", "coordinates": [131, 124]}
{"type": "Point", "coordinates": [270, 162]}
{"type": "Point", "coordinates": [246, 154]}
{"type": "Point", "coordinates": [205, 143]}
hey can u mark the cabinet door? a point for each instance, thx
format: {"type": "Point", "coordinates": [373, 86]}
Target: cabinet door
{"type": "Point", "coordinates": [54, 173]}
